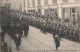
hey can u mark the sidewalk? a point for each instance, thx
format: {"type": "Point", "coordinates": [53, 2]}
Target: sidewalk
{"type": "Point", "coordinates": [37, 40]}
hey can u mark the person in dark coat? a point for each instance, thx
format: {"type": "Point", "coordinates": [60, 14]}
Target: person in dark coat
{"type": "Point", "coordinates": [60, 33]}
{"type": "Point", "coordinates": [26, 29]}
{"type": "Point", "coordinates": [10, 50]}
{"type": "Point", "coordinates": [4, 47]}
{"type": "Point", "coordinates": [17, 41]}
{"type": "Point", "coordinates": [12, 30]}
{"type": "Point", "coordinates": [3, 27]}
{"type": "Point", "coordinates": [19, 29]}
{"type": "Point", "coordinates": [57, 41]}
{"type": "Point", "coordinates": [54, 31]}
{"type": "Point", "coordinates": [2, 37]}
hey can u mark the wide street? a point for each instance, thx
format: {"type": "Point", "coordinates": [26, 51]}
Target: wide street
{"type": "Point", "coordinates": [38, 41]}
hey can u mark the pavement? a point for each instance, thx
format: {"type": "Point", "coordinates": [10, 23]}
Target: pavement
{"type": "Point", "coordinates": [37, 41]}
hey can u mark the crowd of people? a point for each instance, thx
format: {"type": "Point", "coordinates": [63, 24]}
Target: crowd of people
{"type": "Point", "coordinates": [19, 23]}
{"type": "Point", "coordinates": [16, 28]}
{"type": "Point", "coordinates": [53, 26]}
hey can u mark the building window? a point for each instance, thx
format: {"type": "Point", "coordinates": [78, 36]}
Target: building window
{"type": "Point", "coordinates": [76, 0]}
{"type": "Point", "coordinates": [7, 0]}
{"type": "Point", "coordinates": [73, 10]}
{"type": "Point", "coordinates": [33, 2]}
{"type": "Point", "coordinates": [65, 0]}
{"type": "Point", "coordinates": [54, 1]}
{"type": "Point", "coordinates": [39, 2]}
{"type": "Point", "coordinates": [28, 3]}
{"type": "Point", "coordinates": [45, 2]}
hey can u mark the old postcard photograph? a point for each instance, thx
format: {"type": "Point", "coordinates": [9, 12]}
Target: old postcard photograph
{"type": "Point", "coordinates": [39, 25]}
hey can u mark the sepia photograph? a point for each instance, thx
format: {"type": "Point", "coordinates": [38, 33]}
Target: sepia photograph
{"type": "Point", "coordinates": [39, 25]}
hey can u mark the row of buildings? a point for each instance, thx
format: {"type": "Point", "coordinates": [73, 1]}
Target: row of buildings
{"type": "Point", "coordinates": [69, 9]}
{"type": "Point", "coordinates": [13, 4]}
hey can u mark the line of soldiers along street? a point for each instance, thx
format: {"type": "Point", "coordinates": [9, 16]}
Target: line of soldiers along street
{"type": "Point", "coordinates": [48, 25]}
{"type": "Point", "coordinates": [18, 24]}
{"type": "Point", "coordinates": [16, 28]}
{"type": "Point", "coordinates": [51, 25]}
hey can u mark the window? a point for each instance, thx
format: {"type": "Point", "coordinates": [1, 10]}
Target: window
{"type": "Point", "coordinates": [54, 1]}
{"type": "Point", "coordinates": [65, 0]}
{"type": "Point", "coordinates": [45, 2]}
{"type": "Point", "coordinates": [33, 2]}
{"type": "Point", "coordinates": [73, 10]}
{"type": "Point", "coordinates": [28, 3]}
{"type": "Point", "coordinates": [39, 2]}
{"type": "Point", "coordinates": [77, 0]}
{"type": "Point", "coordinates": [7, 0]}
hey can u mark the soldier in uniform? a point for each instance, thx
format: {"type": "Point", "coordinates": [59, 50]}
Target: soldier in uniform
{"type": "Point", "coordinates": [3, 26]}
{"type": "Point", "coordinates": [63, 32]}
{"type": "Point", "coordinates": [60, 33]}
{"type": "Point", "coordinates": [57, 41]}
{"type": "Point", "coordinates": [66, 33]}
{"type": "Point", "coordinates": [19, 29]}
{"type": "Point", "coordinates": [54, 31]}
{"type": "Point", "coordinates": [77, 35]}
{"type": "Point", "coordinates": [2, 37]}
{"type": "Point", "coordinates": [74, 35]}
{"type": "Point", "coordinates": [26, 29]}
{"type": "Point", "coordinates": [44, 27]}
{"type": "Point", "coordinates": [71, 34]}
{"type": "Point", "coordinates": [12, 30]}
{"type": "Point", "coordinates": [17, 41]}
{"type": "Point", "coordinates": [57, 29]}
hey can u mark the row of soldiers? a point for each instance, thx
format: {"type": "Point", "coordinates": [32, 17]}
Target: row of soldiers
{"type": "Point", "coordinates": [68, 33]}
{"type": "Point", "coordinates": [48, 25]}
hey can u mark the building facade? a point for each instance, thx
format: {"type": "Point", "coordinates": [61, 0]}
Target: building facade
{"type": "Point", "coordinates": [64, 9]}
{"type": "Point", "coordinates": [14, 4]}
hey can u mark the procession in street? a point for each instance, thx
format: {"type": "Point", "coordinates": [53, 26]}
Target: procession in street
{"type": "Point", "coordinates": [50, 28]}
{"type": "Point", "coordinates": [17, 27]}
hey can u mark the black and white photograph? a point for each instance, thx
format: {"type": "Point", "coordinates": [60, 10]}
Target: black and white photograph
{"type": "Point", "coordinates": [39, 25]}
